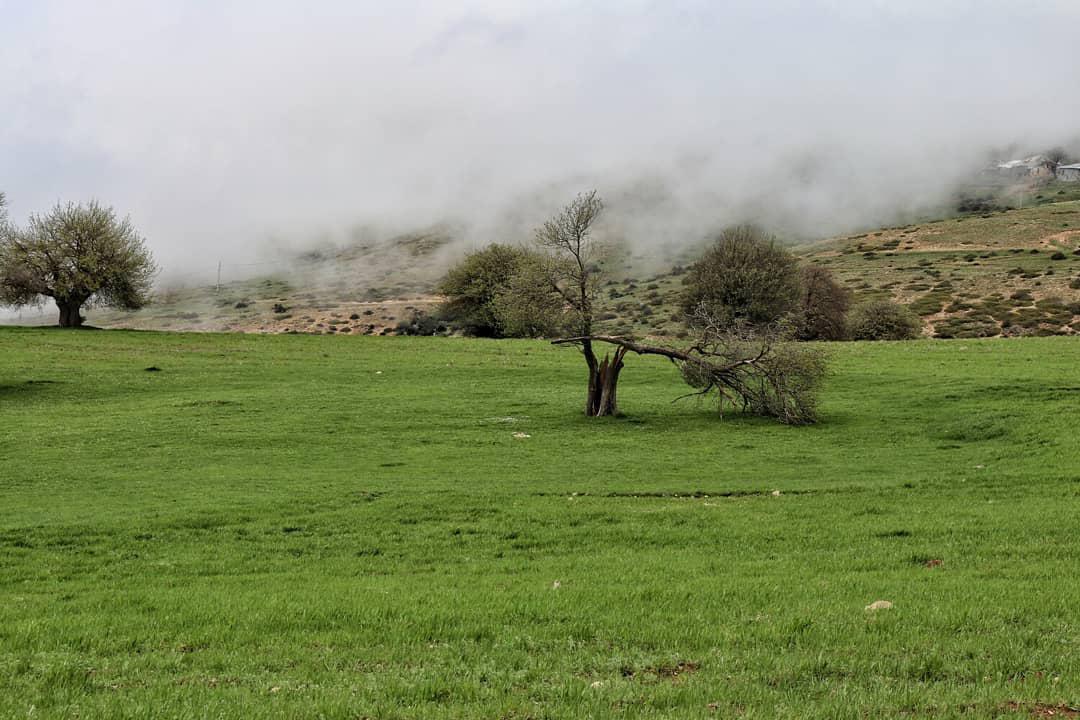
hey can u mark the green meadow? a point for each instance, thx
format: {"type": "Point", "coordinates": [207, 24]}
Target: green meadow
{"type": "Point", "coordinates": [360, 527]}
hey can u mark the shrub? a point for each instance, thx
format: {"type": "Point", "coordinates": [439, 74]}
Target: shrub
{"type": "Point", "coordinates": [931, 303]}
{"type": "Point", "coordinates": [473, 285]}
{"type": "Point", "coordinates": [823, 306]}
{"type": "Point", "coordinates": [883, 320]}
{"type": "Point", "coordinates": [743, 277]}
{"type": "Point", "coordinates": [967, 327]}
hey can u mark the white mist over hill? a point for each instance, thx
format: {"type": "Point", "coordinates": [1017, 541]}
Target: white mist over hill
{"type": "Point", "coordinates": [224, 127]}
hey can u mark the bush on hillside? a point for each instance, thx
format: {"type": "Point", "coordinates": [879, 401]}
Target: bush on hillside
{"type": "Point", "coordinates": [823, 306]}
{"type": "Point", "coordinates": [883, 320]}
{"type": "Point", "coordinates": [473, 286]}
{"type": "Point", "coordinates": [744, 277]}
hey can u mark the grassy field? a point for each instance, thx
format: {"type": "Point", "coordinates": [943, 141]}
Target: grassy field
{"type": "Point", "coordinates": [348, 527]}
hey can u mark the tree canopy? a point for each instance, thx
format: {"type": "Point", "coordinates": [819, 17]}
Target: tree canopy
{"type": "Point", "coordinates": [77, 255]}
{"type": "Point", "coordinates": [474, 286]}
{"type": "Point", "coordinates": [743, 277]}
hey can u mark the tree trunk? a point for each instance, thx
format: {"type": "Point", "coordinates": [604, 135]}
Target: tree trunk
{"type": "Point", "coordinates": [70, 317]}
{"type": "Point", "coordinates": [592, 397]}
{"type": "Point", "coordinates": [603, 385]}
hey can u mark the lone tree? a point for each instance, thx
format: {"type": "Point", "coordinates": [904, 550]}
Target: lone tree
{"type": "Point", "coordinates": [752, 368]}
{"type": "Point", "coordinates": [569, 270]}
{"type": "Point", "coordinates": [77, 255]}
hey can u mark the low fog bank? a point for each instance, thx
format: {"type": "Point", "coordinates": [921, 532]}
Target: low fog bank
{"type": "Point", "coordinates": [246, 133]}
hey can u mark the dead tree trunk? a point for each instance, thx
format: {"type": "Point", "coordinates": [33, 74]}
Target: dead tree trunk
{"type": "Point", "coordinates": [604, 385]}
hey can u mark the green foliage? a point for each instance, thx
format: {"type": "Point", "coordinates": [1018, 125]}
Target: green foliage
{"type": "Point", "coordinates": [823, 305]}
{"type": "Point", "coordinates": [883, 320]}
{"type": "Point", "coordinates": [473, 288]}
{"type": "Point", "coordinates": [347, 527]}
{"type": "Point", "coordinates": [77, 255]}
{"type": "Point", "coordinates": [744, 276]}
{"type": "Point", "coordinates": [528, 307]}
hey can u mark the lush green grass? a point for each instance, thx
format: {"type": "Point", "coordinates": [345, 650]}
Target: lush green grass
{"type": "Point", "coordinates": [346, 527]}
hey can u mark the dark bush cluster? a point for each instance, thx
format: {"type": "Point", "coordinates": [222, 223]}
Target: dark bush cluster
{"type": "Point", "coordinates": [422, 324]}
{"type": "Point", "coordinates": [823, 306]}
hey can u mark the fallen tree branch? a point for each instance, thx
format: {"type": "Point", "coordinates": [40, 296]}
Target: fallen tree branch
{"type": "Point", "coordinates": [768, 376]}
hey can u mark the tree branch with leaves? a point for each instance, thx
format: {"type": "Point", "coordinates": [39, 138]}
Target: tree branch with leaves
{"type": "Point", "coordinates": [78, 255]}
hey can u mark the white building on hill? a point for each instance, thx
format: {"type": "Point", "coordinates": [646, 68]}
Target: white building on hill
{"type": "Point", "coordinates": [1069, 173]}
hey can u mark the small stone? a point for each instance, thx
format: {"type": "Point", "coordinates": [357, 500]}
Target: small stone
{"type": "Point", "coordinates": [597, 684]}
{"type": "Point", "coordinates": [879, 605]}
{"type": "Point", "coordinates": [521, 435]}
{"type": "Point", "coordinates": [556, 585]}
{"type": "Point", "coordinates": [776, 493]}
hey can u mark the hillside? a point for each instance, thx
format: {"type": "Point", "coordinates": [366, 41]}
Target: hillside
{"type": "Point", "coordinates": [993, 271]}
{"type": "Point", "coordinates": [1015, 271]}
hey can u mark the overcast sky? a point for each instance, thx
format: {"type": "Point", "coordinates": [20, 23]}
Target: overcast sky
{"type": "Point", "coordinates": [216, 124]}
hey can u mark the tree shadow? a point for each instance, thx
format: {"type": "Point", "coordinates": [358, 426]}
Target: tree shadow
{"type": "Point", "coordinates": [26, 388]}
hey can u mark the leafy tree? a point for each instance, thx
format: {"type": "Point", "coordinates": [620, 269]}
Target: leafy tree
{"type": "Point", "coordinates": [473, 286]}
{"type": "Point", "coordinates": [77, 255]}
{"type": "Point", "coordinates": [883, 320]}
{"type": "Point", "coordinates": [528, 306]}
{"type": "Point", "coordinates": [823, 305]}
{"type": "Point", "coordinates": [744, 277]}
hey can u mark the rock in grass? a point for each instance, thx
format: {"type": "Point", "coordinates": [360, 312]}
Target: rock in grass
{"type": "Point", "coordinates": [879, 605]}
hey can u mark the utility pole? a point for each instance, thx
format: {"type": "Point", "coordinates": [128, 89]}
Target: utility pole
{"type": "Point", "coordinates": [217, 289]}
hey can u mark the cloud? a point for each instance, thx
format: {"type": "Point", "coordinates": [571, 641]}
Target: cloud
{"type": "Point", "coordinates": [219, 124]}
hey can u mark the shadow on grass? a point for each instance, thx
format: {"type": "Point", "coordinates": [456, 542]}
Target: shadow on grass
{"type": "Point", "coordinates": [27, 388]}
